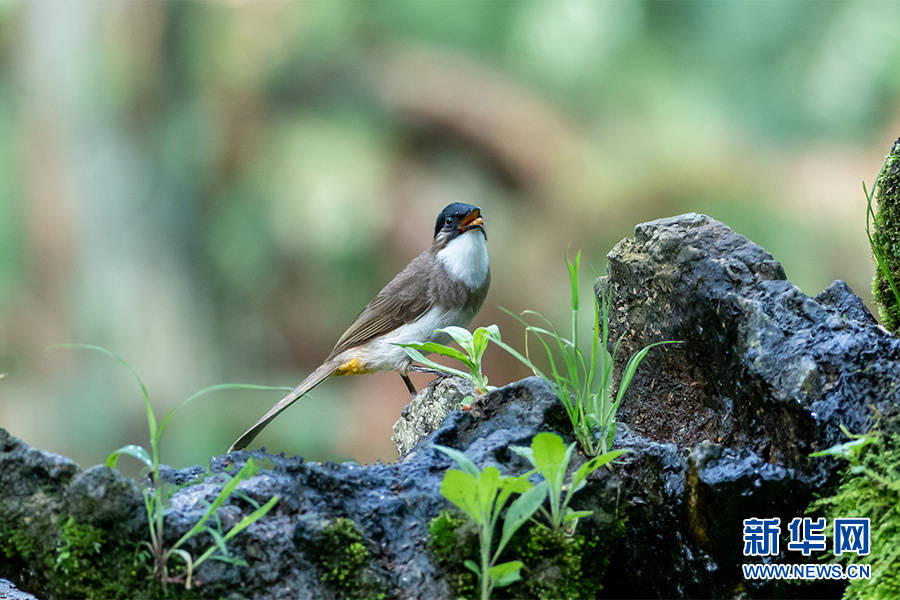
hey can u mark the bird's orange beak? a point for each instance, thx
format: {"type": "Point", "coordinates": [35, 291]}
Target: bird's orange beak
{"type": "Point", "coordinates": [473, 219]}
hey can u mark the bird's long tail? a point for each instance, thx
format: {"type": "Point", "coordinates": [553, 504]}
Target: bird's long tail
{"type": "Point", "coordinates": [311, 381]}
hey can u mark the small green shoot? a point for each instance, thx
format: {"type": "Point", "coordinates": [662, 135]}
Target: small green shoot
{"type": "Point", "coordinates": [583, 381]}
{"type": "Point", "coordinates": [157, 496]}
{"type": "Point", "coordinates": [550, 457]}
{"type": "Point", "coordinates": [473, 346]}
{"type": "Point", "coordinates": [481, 495]}
{"type": "Point", "coordinates": [850, 450]}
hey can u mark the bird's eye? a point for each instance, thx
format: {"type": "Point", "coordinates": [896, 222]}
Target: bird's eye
{"type": "Point", "coordinates": [448, 220]}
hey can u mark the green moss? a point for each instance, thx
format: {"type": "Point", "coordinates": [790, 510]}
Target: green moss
{"type": "Point", "coordinates": [342, 559]}
{"type": "Point", "coordinates": [15, 543]}
{"type": "Point", "coordinates": [886, 238]}
{"type": "Point", "coordinates": [87, 562]}
{"type": "Point", "coordinates": [77, 545]}
{"type": "Point", "coordinates": [870, 488]}
{"type": "Point", "coordinates": [452, 539]}
{"type": "Point", "coordinates": [556, 565]}
{"type": "Point", "coordinates": [64, 558]}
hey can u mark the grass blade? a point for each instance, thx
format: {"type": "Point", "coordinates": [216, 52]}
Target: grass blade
{"type": "Point", "coordinates": [151, 418]}
{"type": "Point", "coordinates": [219, 387]}
{"type": "Point", "coordinates": [132, 450]}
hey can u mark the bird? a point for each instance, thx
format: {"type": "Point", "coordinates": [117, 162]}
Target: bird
{"type": "Point", "coordinates": [444, 285]}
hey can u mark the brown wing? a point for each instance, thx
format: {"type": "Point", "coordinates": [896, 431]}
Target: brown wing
{"type": "Point", "coordinates": [401, 301]}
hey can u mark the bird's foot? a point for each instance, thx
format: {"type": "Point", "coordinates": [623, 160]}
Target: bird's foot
{"type": "Point", "coordinates": [429, 371]}
{"type": "Point", "coordinates": [409, 384]}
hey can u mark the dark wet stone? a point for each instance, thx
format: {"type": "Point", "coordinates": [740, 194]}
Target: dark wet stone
{"type": "Point", "coordinates": [720, 428]}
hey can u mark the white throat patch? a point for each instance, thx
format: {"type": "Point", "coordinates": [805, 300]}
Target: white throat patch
{"type": "Point", "coordinates": [466, 258]}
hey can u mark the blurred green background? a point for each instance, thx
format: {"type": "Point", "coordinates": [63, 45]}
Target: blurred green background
{"type": "Point", "coordinates": [215, 190]}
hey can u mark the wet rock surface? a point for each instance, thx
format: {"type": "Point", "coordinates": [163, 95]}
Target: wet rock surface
{"type": "Point", "coordinates": [765, 376]}
{"type": "Point", "coordinates": [8, 591]}
{"type": "Point", "coordinates": [720, 428]}
{"type": "Point", "coordinates": [428, 409]}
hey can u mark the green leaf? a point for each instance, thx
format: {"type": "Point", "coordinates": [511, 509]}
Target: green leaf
{"type": "Point", "coordinates": [578, 479]}
{"type": "Point", "coordinates": [464, 462]}
{"type": "Point", "coordinates": [520, 511]}
{"type": "Point", "coordinates": [552, 334]}
{"type": "Point", "coordinates": [515, 485]}
{"type": "Point", "coordinates": [515, 353]}
{"type": "Point", "coordinates": [632, 366]}
{"type": "Point", "coordinates": [437, 349]}
{"type": "Point", "coordinates": [550, 457]}
{"type": "Point", "coordinates": [151, 417]}
{"type": "Point", "coordinates": [216, 388]}
{"type": "Point", "coordinates": [461, 336]}
{"type": "Point", "coordinates": [481, 338]}
{"type": "Point", "coordinates": [420, 358]}
{"type": "Point", "coordinates": [462, 490]}
{"type": "Point", "coordinates": [247, 471]}
{"type": "Point", "coordinates": [506, 573]}
{"type": "Point", "coordinates": [524, 452]}
{"type": "Point", "coordinates": [219, 541]}
{"type": "Point", "coordinates": [845, 450]}
{"type": "Point", "coordinates": [239, 527]}
{"type": "Point", "coordinates": [509, 486]}
{"type": "Point", "coordinates": [250, 519]}
{"type": "Point", "coordinates": [131, 450]}
{"type": "Point", "coordinates": [188, 563]}
{"type": "Point", "coordinates": [488, 486]}
{"type": "Point", "coordinates": [574, 515]}
{"type": "Point", "coordinates": [470, 565]}
{"type": "Point", "coordinates": [231, 560]}
{"type": "Point", "coordinates": [573, 278]}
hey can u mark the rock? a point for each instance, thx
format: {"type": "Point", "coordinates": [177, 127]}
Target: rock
{"type": "Point", "coordinates": [719, 429]}
{"type": "Point", "coordinates": [8, 591]}
{"type": "Point", "coordinates": [764, 376]}
{"type": "Point", "coordinates": [428, 410]}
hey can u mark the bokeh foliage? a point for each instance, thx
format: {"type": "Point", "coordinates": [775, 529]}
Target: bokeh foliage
{"type": "Point", "coordinates": [214, 190]}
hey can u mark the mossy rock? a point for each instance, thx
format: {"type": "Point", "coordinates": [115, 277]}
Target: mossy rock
{"type": "Point", "coordinates": [556, 564]}
{"type": "Point", "coordinates": [71, 559]}
{"type": "Point", "coordinates": [886, 238]}
{"type": "Point", "coordinates": [452, 539]}
{"type": "Point", "coordinates": [343, 558]}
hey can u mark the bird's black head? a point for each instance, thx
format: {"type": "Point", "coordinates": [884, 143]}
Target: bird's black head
{"type": "Point", "coordinates": [458, 218]}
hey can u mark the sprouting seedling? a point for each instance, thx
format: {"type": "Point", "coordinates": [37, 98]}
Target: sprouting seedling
{"type": "Point", "coordinates": [551, 457]}
{"type": "Point", "coordinates": [482, 495]}
{"type": "Point", "coordinates": [473, 347]}
{"type": "Point", "coordinates": [157, 495]}
{"type": "Point", "coordinates": [583, 380]}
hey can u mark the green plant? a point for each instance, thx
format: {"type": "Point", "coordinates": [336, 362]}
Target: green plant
{"type": "Point", "coordinates": [157, 495]}
{"type": "Point", "coordinates": [870, 488]}
{"type": "Point", "coordinates": [583, 382]}
{"type": "Point", "coordinates": [885, 240]}
{"type": "Point", "coordinates": [481, 495]}
{"type": "Point", "coordinates": [558, 564]}
{"type": "Point", "coordinates": [473, 346]}
{"type": "Point", "coordinates": [341, 557]}
{"type": "Point", "coordinates": [550, 457]}
{"type": "Point", "coordinates": [452, 539]}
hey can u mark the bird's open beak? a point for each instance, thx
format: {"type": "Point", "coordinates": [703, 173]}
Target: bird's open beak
{"type": "Point", "coordinates": [473, 219]}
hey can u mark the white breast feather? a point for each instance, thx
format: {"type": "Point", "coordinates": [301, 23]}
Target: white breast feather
{"type": "Point", "coordinates": [466, 258]}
